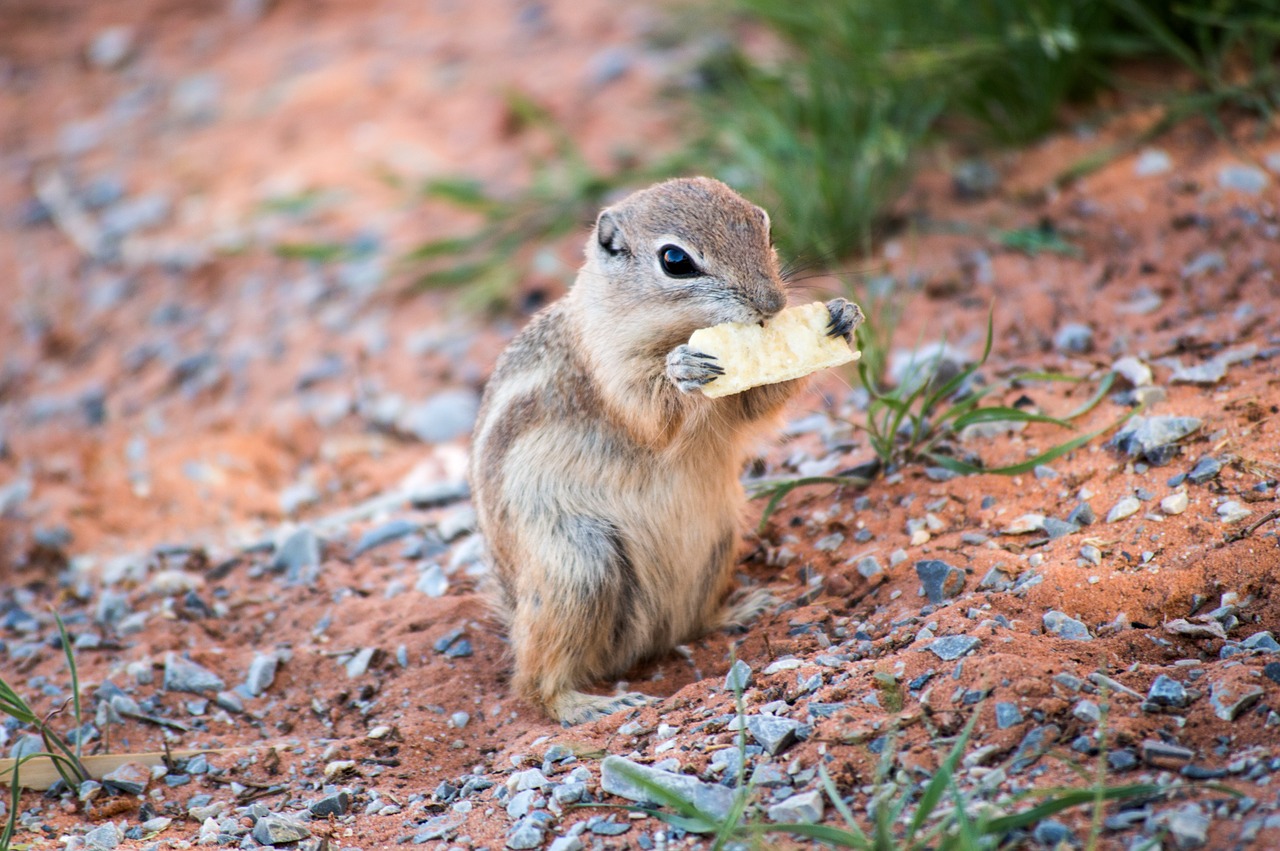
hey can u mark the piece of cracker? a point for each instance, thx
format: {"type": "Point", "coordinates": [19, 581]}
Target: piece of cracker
{"type": "Point", "coordinates": [791, 345]}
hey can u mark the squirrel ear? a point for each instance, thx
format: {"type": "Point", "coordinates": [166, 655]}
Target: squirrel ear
{"type": "Point", "coordinates": [609, 235]}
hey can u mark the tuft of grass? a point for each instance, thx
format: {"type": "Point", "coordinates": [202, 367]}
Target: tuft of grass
{"type": "Point", "coordinates": [917, 420]}
{"type": "Point", "coordinates": [64, 757]}
{"type": "Point", "coordinates": [943, 817]}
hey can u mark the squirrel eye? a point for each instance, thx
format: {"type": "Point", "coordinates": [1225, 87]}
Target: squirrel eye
{"type": "Point", "coordinates": [677, 263]}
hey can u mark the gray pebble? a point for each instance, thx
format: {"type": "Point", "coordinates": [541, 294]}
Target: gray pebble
{"type": "Point", "coordinates": [526, 833]}
{"type": "Point", "coordinates": [1166, 693]}
{"type": "Point", "coordinates": [1228, 699]}
{"type": "Point", "coordinates": [1152, 161]}
{"type": "Point", "coordinates": [1034, 744]}
{"type": "Point", "coordinates": [1154, 438]}
{"type": "Point", "coordinates": [1007, 715]}
{"type": "Point", "coordinates": [279, 830]}
{"type": "Point", "coordinates": [184, 675]}
{"type": "Point", "coordinates": [868, 567]}
{"type": "Point", "coordinates": [432, 581]}
{"type": "Point", "coordinates": [803, 808]}
{"type": "Point", "coordinates": [1126, 507]}
{"type": "Point", "coordinates": [939, 580]}
{"type": "Point", "coordinates": [1121, 760]}
{"type": "Point", "coordinates": [135, 214]}
{"type": "Point", "coordinates": [773, 734]}
{"type": "Point", "coordinates": [1243, 178]}
{"type": "Point", "coordinates": [298, 557]}
{"type": "Point", "coordinates": [618, 776]}
{"type": "Point", "coordinates": [111, 48]}
{"type": "Point", "coordinates": [132, 778]}
{"type": "Point", "coordinates": [1064, 626]}
{"type": "Point", "coordinates": [437, 827]}
{"type": "Point", "coordinates": [607, 827]}
{"type": "Point", "coordinates": [1261, 642]}
{"type": "Point", "coordinates": [195, 98]}
{"type": "Point", "coordinates": [738, 678]}
{"type": "Point", "coordinates": [566, 843]}
{"type": "Point", "coordinates": [974, 179]}
{"type": "Point", "coordinates": [331, 805]}
{"type": "Point", "coordinates": [262, 673]}
{"type": "Point", "coordinates": [1053, 834]}
{"type": "Point", "coordinates": [1205, 469]}
{"type": "Point", "coordinates": [1082, 515]}
{"type": "Point", "coordinates": [830, 543]}
{"type": "Point", "coordinates": [445, 416]}
{"type": "Point", "coordinates": [1189, 827]}
{"type": "Point", "coordinates": [1059, 528]}
{"type": "Point", "coordinates": [384, 534]}
{"type": "Point", "coordinates": [952, 647]}
{"type": "Point", "coordinates": [608, 65]}
{"type": "Point", "coordinates": [104, 837]}
{"type": "Point", "coordinates": [1074, 338]}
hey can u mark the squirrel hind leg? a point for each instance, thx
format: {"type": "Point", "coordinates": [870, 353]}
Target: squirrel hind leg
{"type": "Point", "coordinates": [575, 707]}
{"type": "Point", "coordinates": [743, 607]}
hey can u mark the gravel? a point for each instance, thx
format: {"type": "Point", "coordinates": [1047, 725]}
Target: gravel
{"type": "Point", "coordinates": [939, 581]}
{"type": "Point", "coordinates": [1166, 693]}
{"type": "Point", "coordinates": [803, 808]}
{"type": "Point", "coordinates": [184, 675]}
{"type": "Point", "coordinates": [1228, 699]}
{"type": "Point", "coordinates": [738, 678]}
{"type": "Point", "coordinates": [279, 830]}
{"type": "Point", "coordinates": [445, 416]}
{"type": "Point", "coordinates": [616, 778]}
{"type": "Point", "coordinates": [773, 734]}
{"type": "Point", "coordinates": [262, 673]}
{"type": "Point", "coordinates": [952, 647]}
{"type": "Point", "coordinates": [1154, 439]}
{"type": "Point", "coordinates": [1064, 626]}
{"type": "Point", "coordinates": [1126, 507]}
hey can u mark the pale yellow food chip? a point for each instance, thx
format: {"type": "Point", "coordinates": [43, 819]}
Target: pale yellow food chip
{"type": "Point", "coordinates": [792, 344]}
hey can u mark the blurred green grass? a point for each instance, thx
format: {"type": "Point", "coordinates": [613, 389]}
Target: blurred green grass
{"type": "Point", "coordinates": [826, 130]}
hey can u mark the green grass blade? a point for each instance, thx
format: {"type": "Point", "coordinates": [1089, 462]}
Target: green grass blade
{"type": "Point", "coordinates": [1065, 799]}
{"type": "Point", "coordinates": [829, 786]}
{"type": "Point", "coordinates": [943, 778]}
{"type": "Point", "coordinates": [823, 833]}
{"type": "Point", "coordinates": [75, 680]}
{"type": "Point", "coordinates": [779, 490]}
{"type": "Point", "coordinates": [460, 191]}
{"type": "Point", "coordinates": [1000, 413]}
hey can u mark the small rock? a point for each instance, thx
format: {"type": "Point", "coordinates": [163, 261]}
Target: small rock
{"type": "Point", "coordinates": [939, 580]}
{"type": "Point", "coordinates": [868, 567]}
{"type": "Point", "coordinates": [1007, 715]}
{"type": "Point", "coordinates": [1126, 507]}
{"type": "Point", "coordinates": [440, 826]}
{"type": "Point", "coordinates": [1074, 338]}
{"type": "Point", "coordinates": [1152, 161]}
{"type": "Point", "coordinates": [1034, 745]}
{"type": "Point", "coordinates": [1082, 515]}
{"type": "Point", "coordinates": [619, 776]}
{"type": "Point", "coordinates": [184, 675]}
{"type": "Point", "coordinates": [773, 734]}
{"type": "Point", "coordinates": [1052, 834]}
{"type": "Point", "coordinates": [1204, 263]}
{"type": "Point", "coordinates": [1024, 525]}
{"type": "Point", "coordinates": [1175, 503]}
{"type": "Point", "coordinates": [952, 647]}
{"type": "Point", "coordinates": [1189, 827]}
{"type": "Point", "coordinates": [384, 534]}
{"type": "Point", "coordinates": [1271, 671]}
{"type": "Point", "coordinates": [1059, 528]}
{"type": "Point", "coordinates": [1243, 178]}
{"type": "Point", "coordinates": [432, 581]}
{"type": "Point", "coordinates": [1166, 693]}
{"type": "Point", "coordinates": [132, 778]}
{"type": "Point", "coordinates": [830, 543]}
{"type": "Point", "coordinates": [445, 416]}
{"type": "Point", "coordinates": [804, 808]}
{"type": "Point", "coordinates": [278, 830]}
{"type": "Point", "coordinates": [331, 805]}
{"type": "Point", "coordinates": [1121, 760]}
{"type": "Point", "coordinates": [1262, 642]}
{"type": "Point", "coordinates": [1064, 626]}
{"type": "Point", "coordinates": [1154, 438]}
{"type": "Point", "coordinates": [1163, 755]}
{"type": "Point", "coordinates": [1134, 371]}
{"type": "Point", "coordinates": [111, 48]}
{"type": "Point", "coordinates": [1229, 699]}
{"type": "Point", "coordinates": [738, 678]}
{"type": "Point", "coordinates": [262, 673]}
{"type": "Point", "coordinates": [608, 827]}
{"type": "Point", "coordinates": [298, 557]}
{"type": "Point", "coordinates": [526, 833]}
{"type": "Point", "coordinates": [1206, 468]}
{"type": "Point", "coordinates": [566, 843]}
{"type": "Point", "coordinates": [194, 99]}
{"type": "Point", "coordinates": [1087, 711]}
{"type": "Point", "coordinates": [1233, 512]}
{"type": "Point", "coordinates": [104, 837]}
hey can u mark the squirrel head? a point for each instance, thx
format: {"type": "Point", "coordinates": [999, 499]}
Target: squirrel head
{"type": "Point", "coordinates": [691, 246]}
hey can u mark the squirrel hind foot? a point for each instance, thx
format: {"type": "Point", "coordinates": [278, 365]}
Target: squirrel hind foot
{"type": "Point", "coordinates": [744, 607]}
{"type": "Point", "coordinates": [575, 707]}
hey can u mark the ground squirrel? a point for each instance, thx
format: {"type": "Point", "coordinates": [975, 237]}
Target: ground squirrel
{"type": "Point", "coordinates": [606, 487]}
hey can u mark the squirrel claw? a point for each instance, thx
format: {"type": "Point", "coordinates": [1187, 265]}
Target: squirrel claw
{"type": "Point", "coordinates": [689, 369]}
{"type": "Point", "coordinates": [845, 317]}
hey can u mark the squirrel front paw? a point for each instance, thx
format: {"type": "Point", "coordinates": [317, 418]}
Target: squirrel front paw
{"type": "Point", "coordinates": [845, 316]}
{"type": "Point", "coordinates": [689, 369]}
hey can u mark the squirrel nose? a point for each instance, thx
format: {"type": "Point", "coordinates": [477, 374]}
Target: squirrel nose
{"type": "Point", "coordinates": [771, 301]}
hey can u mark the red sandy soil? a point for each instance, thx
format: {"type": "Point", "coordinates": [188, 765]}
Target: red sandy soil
{"type": "Point", "coordinates": [332, 98]}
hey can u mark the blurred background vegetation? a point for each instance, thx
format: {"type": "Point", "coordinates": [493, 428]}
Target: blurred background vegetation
{"type": "Point", "coordinates": [824, 125]}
